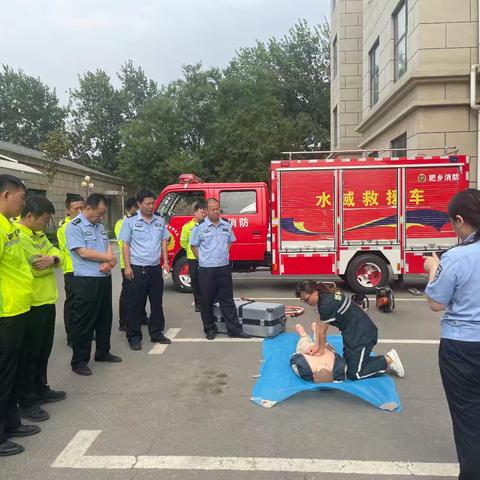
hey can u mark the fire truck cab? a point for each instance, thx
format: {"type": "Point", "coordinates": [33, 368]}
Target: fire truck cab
{"type": "Point", "coordinates": [363, 219]}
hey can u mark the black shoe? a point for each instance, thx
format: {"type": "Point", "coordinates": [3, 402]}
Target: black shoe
{"type": "Point", "coordinates": [9, 448]}
{"type": "Point", "coordinates": [82, 370]}
{"type": "Point", "coordinates": [23, 431]}
{"type": "Point", "coordinates": [51, 396]}
{"type": "Point", "coordinates": [110, 358]}
{"type": "Point", "coordinates": [34, 414]}
{"type": "Point", "coordinates": [239, 335]}
{"type": "Point", "coordinates": [161, 339]}
{"type": "Point", "coordinates": [211, 334]}
{"type": "Point", "coordinates": [122, 328]}
{"type": "Point", "coordinates": [197, 309]}
{"type": "Point", "coordinates": [135, 346]}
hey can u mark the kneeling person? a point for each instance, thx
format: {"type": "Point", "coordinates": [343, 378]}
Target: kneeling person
{"type": "Point", "coordinates": [325, 368]}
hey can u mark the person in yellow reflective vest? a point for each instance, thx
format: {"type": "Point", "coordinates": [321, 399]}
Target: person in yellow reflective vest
{"type": "Point", "coordinates": [75, 205]}
{"type": "Point", "coordinates": [199, 215]}
{"type": "Point", "coordinates": [43, 257]}
{"type": "Point", "coordinates": [15, 300]}
{"type": "Point", "coordinates": [131, 208]}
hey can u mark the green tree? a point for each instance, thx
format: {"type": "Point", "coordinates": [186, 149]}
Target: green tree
{"type": "Point", "coordinates": [29, 109]}
{"type": "Point", "coordinates": [56, 146]}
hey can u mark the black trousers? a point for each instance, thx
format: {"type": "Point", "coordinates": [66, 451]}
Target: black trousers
{"type": "Point", "coordinates": [91, 311]}
{"type": "Point", "coordinates": [361, 365]}
{"type": "Point", "coordinates": [460, 370]}
{"type": "Point", "coordinates": [122, 301]}
{"type": "Point", "coordinates": [216, 282]}
{"type": "Point", "coordinates": [67, 277]}
{"type": "Point", "coordinates": [147, 283]}
{"type": "Point", "coordinates": [193, 271]}
{"type": "Point", "coordinates": [12, 331]}
{"type": "Point", "coordinates": [37, 347]}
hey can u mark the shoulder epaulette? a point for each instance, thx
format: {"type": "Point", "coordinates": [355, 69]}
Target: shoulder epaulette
{"type": "Point", "coordinates": [76, 221]}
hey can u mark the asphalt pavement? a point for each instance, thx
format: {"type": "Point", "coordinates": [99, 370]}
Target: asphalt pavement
{"type": "Point", "coordinates": [184, 412]}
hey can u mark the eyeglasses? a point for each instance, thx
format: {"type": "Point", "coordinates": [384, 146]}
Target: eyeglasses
{"type": "Point", "coordinates": [305, 300]}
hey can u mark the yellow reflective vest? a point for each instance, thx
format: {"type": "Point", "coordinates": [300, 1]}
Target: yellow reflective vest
{"type": "Point", "coordinates": [44, 291]}
{"type": "Point", "coordinates": [118, 227]}
{"type": "Point", "coordinates": [15, 274]}
{"type": "Point", "coordinates": [185, 238]}
{"type": "Point", "coordinates": [67, 266]}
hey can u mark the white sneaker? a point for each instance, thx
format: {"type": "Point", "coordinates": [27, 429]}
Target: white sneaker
{"type": "Point", "coordinates": [396, 366]}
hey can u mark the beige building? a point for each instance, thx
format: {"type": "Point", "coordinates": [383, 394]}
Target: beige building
{"type": "Point", "coordinates": [401, 76]}
{"type": "Point", "coordinates": [30, 165]}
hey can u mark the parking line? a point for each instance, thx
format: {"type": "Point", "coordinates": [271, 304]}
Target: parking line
{"type": "Point", "coordinates": [74, 456]}
{"type": "Point", "coordinates": [159, 348]}
{"type": "Point", "coordinates": [412, 341]}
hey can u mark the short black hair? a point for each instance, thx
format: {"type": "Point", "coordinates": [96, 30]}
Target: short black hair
{"type": "Point", "coordinates": [10, 181]}
{"type": "Point", "coordinates": [131, 202]}
{"type": "Point", "coordinates": [95, 199]}
{"type": "Point", "coordinates": [73, 198]}
{"type": "Point", "coordinates": [143, 194]}
{"type": "Point", "coordinates": [37, 205]}
{"type": "Point", "coordinates": [199, 205]}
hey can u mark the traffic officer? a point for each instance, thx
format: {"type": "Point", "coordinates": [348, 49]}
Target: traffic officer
{"type": "Point", "coordinates": [144, 236]}
{"type": "Point", "coordinates": [453, 287]}
{"type": "Point", "coordinates": [131, 208]}
{"type": "Point", "coordinates": [198, 217]}
{"type": "Point", "coordinates": [15, 300]}
{"type": "Point", "coordinates": [91, 306]}
{"type": "Point", "coordinates": [211, 241]}
{"type": "Point", "coordinates": [40, 325]}
{"type": "Point", "coordinates": [74, 204]}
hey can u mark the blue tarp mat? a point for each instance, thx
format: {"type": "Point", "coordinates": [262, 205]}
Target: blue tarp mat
{"type": "Point", "coordinates": [278, 382]}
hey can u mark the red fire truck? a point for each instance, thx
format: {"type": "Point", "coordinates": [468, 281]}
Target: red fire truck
{"type": "Point", "coordinates": [366, 220]}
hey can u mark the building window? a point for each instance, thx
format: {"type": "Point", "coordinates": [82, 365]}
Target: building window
{"type": "Point", "coordinates": [374, 74]}
{"type": "Point", "coordinates": [334, 57]}
{"type": "Point", "coordinates": [238, 202]}
{"type": "Point", "coordinates": [400, 26]}
{"type": "Point", "coordinates": [36, 191]}
{"type": "Point", "coordinates": [335, 127]}
{"type": "Point", "coordinates": [399, 145]}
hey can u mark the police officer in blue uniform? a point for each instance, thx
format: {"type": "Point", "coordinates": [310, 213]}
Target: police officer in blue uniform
{"type": "Point", "coordinates": [210, 242]}
{"type": "Point", "coordinates": [144, 236]}
{"type": "Point", "coordinates": [91, 306]}
{"type": "Point", "coordinates": [454, 286]}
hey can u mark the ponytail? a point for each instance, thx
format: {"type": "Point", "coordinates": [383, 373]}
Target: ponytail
{"type": "Point", "coordinates": [466, 204]}
{"type": "Point", "coordinates": [310, 286]}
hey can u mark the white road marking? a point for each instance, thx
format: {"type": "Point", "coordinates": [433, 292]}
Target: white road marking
{"type": "Point", "coordinates": [74, 456]}
{"type": "Point", "coordinates": [159, 348]}
{"type": "Point", "coordinates": [370, 298]}
{"type": "Point", "coordinates": [412, 341]}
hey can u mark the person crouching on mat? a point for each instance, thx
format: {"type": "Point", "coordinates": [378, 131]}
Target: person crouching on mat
{"type": "Point", "coordinates": [325, 368]}
{"type": "Point", "coordinates": [358, 331]}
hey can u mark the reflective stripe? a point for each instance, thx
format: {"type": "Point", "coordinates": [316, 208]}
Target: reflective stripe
{"type": "Point", "coordinates": [11, 242]}
{"type": "Point", "coordinates": [329, 320]}
{"type": "Point", "coordinates": [359, 377]}
{"type": "Point", "coordinates": [344, 307]}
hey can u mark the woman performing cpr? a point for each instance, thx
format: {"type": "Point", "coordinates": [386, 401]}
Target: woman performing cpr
{"type": "Point", "coordinates": [359, 333]}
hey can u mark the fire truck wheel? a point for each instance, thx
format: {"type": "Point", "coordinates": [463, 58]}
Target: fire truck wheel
{"type": "Point", "coordinates": [367, 272]}
{"type": "Point", "coordinates": [180, 275]}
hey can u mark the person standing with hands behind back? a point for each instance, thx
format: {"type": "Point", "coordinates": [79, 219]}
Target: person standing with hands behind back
{"type": "Point", "coordinates": [144, 236]}
{"type": "Point", "coordinates": [453, 287]}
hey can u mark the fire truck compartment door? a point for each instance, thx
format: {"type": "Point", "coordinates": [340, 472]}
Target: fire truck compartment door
{"type": "Point", "coordinates": [307, 209]}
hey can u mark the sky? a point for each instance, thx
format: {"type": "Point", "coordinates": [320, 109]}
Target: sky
{"type": "Point", "coordinates": [57, 40]}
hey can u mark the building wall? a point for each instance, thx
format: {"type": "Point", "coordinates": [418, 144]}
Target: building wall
{"type": "Point", "coordinates": [430, 102]}
{"type": "Point", "coordinates": [68, 180]}
{"type": "Point", "coordinates": [346, 95]}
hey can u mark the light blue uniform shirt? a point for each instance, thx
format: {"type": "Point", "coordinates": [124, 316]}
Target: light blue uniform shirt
{"type": "Point", "coordinates": [145, 239]}
{"type": "Point", "coordinates": [80, 233]}
{"type": "Point", "coordinates": [457, 286]}
{"type": "Point", "coordinates": [212, 242]}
